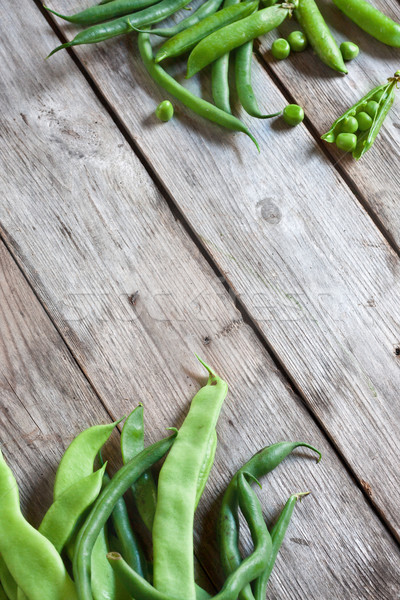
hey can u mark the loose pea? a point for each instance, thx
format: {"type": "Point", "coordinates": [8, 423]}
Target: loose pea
{"type": "Point", "coordinates": [293, 114]}
{"type": "Point", "coordinates": [297, 41]}
{"type": "Point", "coordinates": [364, 121]}
{"type": "Point", "coordinates": [346, 141]}
{"type": "Point", "coordinates": [280, 49]}
{"type": "Point", "coordinates": [349, 50]}
{"type": "Point", "coordinates": [371, 108]}
{"type": "Point", "coordinates": [165, 111]}
{"type": "Point", "coordinates": [349, 125]}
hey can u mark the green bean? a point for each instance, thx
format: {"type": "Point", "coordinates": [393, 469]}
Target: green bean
{"type": "Point", "coordinates": [103, 508]}
{"type": "Point", "coordinates": [105, 585]}
{"type": "Point", "coordinates": [318, 34]}
{"type": "Point", "coordinates": [77, 461]}
{"type": "Point", "coordinates": [32, 560]}
{"type": "Point", "coordinates": [110, 10]}
{"type": "Point", "coordinates": [187, 39]}
{"type": "Point", "coordinates": [247, 98]}
{"type": "Point", "coordinates": [63, 515]}
{"type": "Point", "coordinates": [198, 105]}
{"type": "Point", "coordinates": [177, 489]}
{"type": "Point", "coordinates": [248, 570]}
{"type": "Point", "coordinates": [277, 535]}
{"type": "Point", "coordinates": [130, 546]}
{"type": "Point", "coordinates": [232, 36]}
{"type": "Point", "coordinates": [124, 25]}
{"type": "Point", "coordinates": [144, 490]}
{"type": "Point", "coordinates": [228, 523]}
{"type": "Point", "coordinates": [205, 10]}
{"type": "Point", "coordinates": [371, 20]}
{"type": "Point", "coordinates": [2, 594]}
{"type": "Point", "coordinates": [220, 76]}
{"type": "Point", "coordinates": [202, 594]}
{"type": "Point", "coordinates": [7, 580]}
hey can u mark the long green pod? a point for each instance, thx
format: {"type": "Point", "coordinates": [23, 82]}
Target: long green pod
{"type": "Point", "coordinates": [177, 488]}
{"type": "Point", "coordinates": [187, 39]}
{"type": "Point", "coordinates": [105, 585]}
{"type": "Point", "coordinates": [7, 580]}
{"type": "Point", "coordinates": [103, 508]}
{"type": "Point", "coordinates": [365, 140]}
{"type": "Point", "coordinates": [260, 464]}
{"type": "Point", "coordinates": [232, 36]}
{"type": "Point", "coordinates": [278, 533]}
{"type": "Point", "coordinates": [110, 10]}
{"type": "Point", "coordinates": [32, 560]}
{"type": "Point", "coordinates": [198, 105]}
{"type": "Point", "coordinates": [61, 519]}
{"type": "Point", "coordinates": [319, 35]}
{"type": "Point", "coordinates": [206, 466]}
{"type": "Point", "coordinates": [144, 490]}
{"type": "Point", "coordinates": [248, 570]}
{"type": "Point", "coordinates": [371, 20]}
{"type": "Point", "coordinates": [205, 10]}
{"type": "Point", "coordinates": [77, 461]}
{"type": "Point", "coordinates": [124, 25]}
{"type": "Point", "coordinates": [246, 95]}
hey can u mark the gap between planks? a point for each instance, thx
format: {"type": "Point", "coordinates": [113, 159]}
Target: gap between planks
{"type": "Point", "coordinates": [180, 216]}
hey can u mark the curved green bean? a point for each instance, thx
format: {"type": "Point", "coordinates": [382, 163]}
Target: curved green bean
{"type": "Point", "coordinates": [187, 39]}
{"type": "Point", "coordinates": [103, 508]}
{"type": "Point", "coordinates": [371, 20]}
{"type": "Point", "coordinates": [110, 10]}
{"type": "Point", "coordinates": [198, 105]}
{"type": "Point", "coordinates": [319, 35]}
{"type": "Point", "coordinates": [232, 36]}
{"type": "Point", "coordinates": [247, 98]}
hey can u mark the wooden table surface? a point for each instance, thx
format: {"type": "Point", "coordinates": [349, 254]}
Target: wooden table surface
{"type": "Point", "coordinates": [128, 245]}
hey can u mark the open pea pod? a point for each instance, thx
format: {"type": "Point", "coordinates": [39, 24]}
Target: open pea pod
{"type": "Point", "coordinates": [383, 97]}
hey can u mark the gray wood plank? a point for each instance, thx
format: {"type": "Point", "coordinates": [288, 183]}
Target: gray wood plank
{"type": "Point", "coordinates": [88, 227]}
{"type": "Point", "coordinates": [326, 95]}
{"type": "Point", "coordinates": [312, 269]}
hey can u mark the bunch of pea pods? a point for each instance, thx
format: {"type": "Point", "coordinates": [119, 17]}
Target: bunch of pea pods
{"type": "Point", "coordinates": [220, 29]}
{"type": "Point", "coordinates": [89, 527]}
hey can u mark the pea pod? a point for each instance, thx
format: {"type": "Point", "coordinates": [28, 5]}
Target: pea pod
{"type": "Point", "coordinates": [278, 533]}
{"type": "Point", "coordinates": [371, 20]}
{"type": "Point", "coordinates": [177, 489]}
{"type": "Point", "coordinates": [198, 105]}
{"type": "Point", "coordinates": [319, 35]}
{"type": "Point", "coordinates": [32, 560]}
{"type": "Point", "coordinates": [110, 10]}
{"type": "Point", "coordinates": [205, 10]}
{"type": "Point", "coordinates": [220, 76]}
{"type": "Point", "coordinates": [187, 39]}
{"type": "Point", "coordinates": [232, 36]}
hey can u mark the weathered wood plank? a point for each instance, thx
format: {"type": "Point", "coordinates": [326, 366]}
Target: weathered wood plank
{"type": "Point", "coordinates": [325, 96]}
{"type": "Point", "coordinates": [310, 266]}
{"type": "Point", "coordinates": [89, 229]}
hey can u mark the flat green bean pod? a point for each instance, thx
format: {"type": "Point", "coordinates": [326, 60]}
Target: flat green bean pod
{"type": "Point", "coordinates": [319, 35]}
{"type": "Point", "coordinates": [7, 580]}
{"type": "Point", "coordinates": [198, 105]}
{"type": "Point", "coordinates": [110, 10]}
{"type": "Point", "coordinates": [232, 36]}
{"type": "Point", "coordinates": [32, 560]}
{"type": "Point", "coordinates": [105, 585]}
{"type": "Point", "coordinates": [371, 20]}
{"type": "Point", "coordinates": [187, 39]}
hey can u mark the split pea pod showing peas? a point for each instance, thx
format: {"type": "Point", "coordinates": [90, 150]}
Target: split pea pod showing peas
{"type": "Point", "coordinates": [32, 560]}
{"type": "Point", "coordinates": [184, 41]}
{"type": "Point", "coordinates": [232, 36]}
{"type": "Point", "coordinates": [319, 36]}
{"type": "Point", "coordinates": [371, 20]}
{"type": "Point", "coordinates": [111, 10]}
{"type": "Point", "coordinates": [198, 105]}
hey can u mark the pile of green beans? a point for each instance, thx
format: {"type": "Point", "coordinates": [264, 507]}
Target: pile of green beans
{"type": "Point", "coordinates": [90, 522]}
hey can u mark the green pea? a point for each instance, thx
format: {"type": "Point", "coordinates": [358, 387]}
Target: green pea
{"type": "Point", "coordinates": [165, 111]}
{"type": "Point", "coordinates": [349, 125]}
{"type": "Point", "coordinates": [371, 108]}
{"type": "Point", "coordinates": [364, 121]}
{"type": "Point", "coordinates": [293, 114]}
{"type": "Point", "coordinates": [346, 141]}
{"type": "Point", "coordinates": [380, 96]}
{"type": "Point", "coordinates": [349, 50]}
{"type": "Point", "coordinates": [297, 41]}
{"type": "Point", "coordinates": [280, 49]}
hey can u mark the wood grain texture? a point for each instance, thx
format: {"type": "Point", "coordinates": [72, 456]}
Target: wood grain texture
{"type": "Point", "coordinates": [325, 95]}
{"type": "Point", "coordinates": [313, 271]}
{"type": "Point", "coordinates": [88, 227]}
